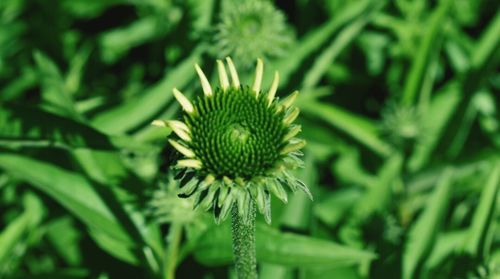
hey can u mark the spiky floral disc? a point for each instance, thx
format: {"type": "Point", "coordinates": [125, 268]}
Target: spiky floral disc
{"type": "Point", "coordinates": [236, 134]}
{"type": "Point", "coordinates": [239, 144]}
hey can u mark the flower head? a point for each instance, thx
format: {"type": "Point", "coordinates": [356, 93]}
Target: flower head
{"type": "Point", "coordinates": [401, 124]}
{"type": "Point", "coordinates": [250, 29]}
{"type": "Point", "coordinates": [239, 144]}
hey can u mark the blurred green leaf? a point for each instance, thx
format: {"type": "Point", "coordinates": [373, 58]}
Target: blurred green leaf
{"type": "Point", "coordinates": [19, 228]}
{"type": "Point", "coordinates": [20, 125]}
{"type": "Point", "coordinates": [54, 90]}
{"type": "Point", "coordinates": [447, 244]}
{"type": "Point", "coordinates": [314, 40]}
{"type": "Point", "coordinates": [65, 238]}
{"type": "Point", "coordinates": [423, 234]}
{"type": "Point", "coordinates": [340, 42]}
{"type": "Point", "coordinates": [280, 248]}
{"type": "Point", "coordinates": [76, 70]}
{"type": "Point", "coordinates": [88, 8]}
{"type": "Point", "coordinates": [141, 109]}
{"type": "Point", "coordinates": [458, 58]}
{"type": "Point", "coordinates": [117, 42]}
{"type": "Point", "coordinates": [108, 168]}
{"type": "Point", "coordinates": [374, 45]}
{"type": "Point", "coordinates": [70, 273]}
{"type": "Point", "coordinates": [335, 206]}
{"type": "Point", "coordinates": [349, 170]}
{"type": "Point", "coordinates": [328, 273]}
{"type": "Point", "coordinates": [486, 48]}
{"type": "Point", "coordinates": [428, 45]}
{"type": "Point", "coordinates": [484, 59]}
{"type": "Point", "coordinates": [274, 271]}
{"type": "Point", "coordinates": [115, 247]}
{"type": "Point", "coordinates": [202, 13]}
{"type": "Point", "coordinates": [476, 243]}
{"type": "Point", "coordinates": [361, 129]}
{"type": "Point", "coordinates": [377, 198]}
{"type": "Point", "coordinates": [72, 191]}
{"type": "Point", "coordinates": [19, 86]}
{"type": "Point", "coordinates": [478, 166]}
{"type": "Point", "coordinates": [434, 121]}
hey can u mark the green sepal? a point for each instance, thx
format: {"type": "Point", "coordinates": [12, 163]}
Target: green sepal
{"type": "Point", "coordinates": [278, 191]}
{"type": "Point", "coordinates": [226, 208]}
{"type": "Point", "coordinates": [189, 188]}
{"type": "Point", "coordinates": [199, 197]}
{"type": "Point", "coordinates": [267, 206]}
{"type": "Point", "coordinates": [225, 191]}
{"type": "Point", "coordinates": [209, 199]}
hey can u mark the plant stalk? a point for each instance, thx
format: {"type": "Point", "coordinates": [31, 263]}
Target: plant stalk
{"type": "Point", "coordinates": [244, 244]}
{"type": "Point", "coordinates": [172, 250]}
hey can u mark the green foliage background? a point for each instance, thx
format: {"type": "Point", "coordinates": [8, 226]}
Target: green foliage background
{"type": "Point", "coordinates": [399, 104]}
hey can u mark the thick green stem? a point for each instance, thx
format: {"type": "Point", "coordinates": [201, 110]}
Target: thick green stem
{"type": "Point", "coordinates": [244, 244]}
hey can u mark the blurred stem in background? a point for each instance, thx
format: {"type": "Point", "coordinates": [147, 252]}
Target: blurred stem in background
{"type": "Point", "coordinates": [172, 250]}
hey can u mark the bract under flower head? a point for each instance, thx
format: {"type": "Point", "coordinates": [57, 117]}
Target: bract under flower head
{"type": "Point", "coordinates": [239, 144]}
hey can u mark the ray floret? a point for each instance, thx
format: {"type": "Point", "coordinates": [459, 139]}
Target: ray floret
{"type": "Point", "coordinates": [189, 163]}
{"type": "Point", "coordinates": [288, 101]}
{"type": "Point", "coordinates": [185, 103]}
{"type": "Point", "coordinates": [292, 133]}
{"type": "Point", "coordinates": [291, 116]}
{"type": "Point", "coordinates": [180, 129]}
{"type": "Point", "coordinates": [274, 88]}
{"type": "Point", "coordinates": [182, 149]}
{"type": "Point", "coordinates": [258, 76]}
{"type": "Point", "coordinates": [205, 85]}
{"type": "Point", "coordinates": [159, 123]}
{"type": "Point", "coordinates": [292, 147]}
{"type": "Point", "coordinates": [224, 80]}
{"type": "Point", "coordinates": [233, 72]}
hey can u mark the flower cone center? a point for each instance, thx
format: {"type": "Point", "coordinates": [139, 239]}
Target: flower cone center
{"type": "Point", "coordinates": [236, 134]}
{"type": "Point", "coordinates": [239, 133]}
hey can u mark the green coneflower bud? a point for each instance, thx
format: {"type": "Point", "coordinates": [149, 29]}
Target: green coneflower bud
{"type": "Point", "coordinates": [250, 29]}
{"type": "Point", "coordinates": [166, 207]}
{"type": "Point", "coordinates": [239, 144]}
{"type": "Point", "coordinates": [401, 124]}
